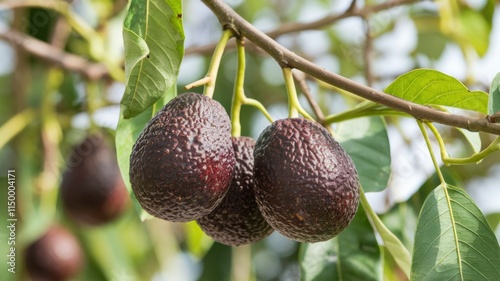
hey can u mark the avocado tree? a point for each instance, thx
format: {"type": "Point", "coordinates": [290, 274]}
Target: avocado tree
{"type": "Point", "coordinates": [373, 124]}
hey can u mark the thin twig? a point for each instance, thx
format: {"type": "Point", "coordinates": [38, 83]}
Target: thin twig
{"type": "Point", "coordinates": [51, 54]}
{"type": "Point", "coordinates": [60, 33]}
{"type": "Point", "coordinates": [300, 79]}
{"type": "Point", "coordinates": [352, 11]}
{"type": "Point", "coordinates": [368, 54]}
{"type": "Point", "coordinates": [286, 58]}
{"type": "Point", "coordinates": [78, 25]}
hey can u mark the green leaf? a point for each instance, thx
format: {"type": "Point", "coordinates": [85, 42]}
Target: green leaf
{"type": "Point", "coordinates": [494, 97]}
{"type": "Point", "coordinates": [154, 45]}
{"type": "Point", "coordinates": [488, 11]}
{"type": "Point", "coordinates": [109, 253]}
{"type": "Point", "coordinates": [472, 138]}
{"type": "Point", "coordinates": [366, 141]}
{"type": "Point", "coordinates": [401, 220]}
{"type": "Point", "coordinates": [475, 30]}
{"type": "Point", "coordinates": [127, 132]}
{"type": "Point", "coordinates": [198, 243]}
{"type": "Point", "coordinates": [391, 242]}
{"type": "Point", "coordinates": [431, 87]}
{"type": "Point", "coordinates": [353, 255]}
{"type": "Point", "coordinates": [453, 240]}
{"type": "Point", "coordinates": [431, 42]}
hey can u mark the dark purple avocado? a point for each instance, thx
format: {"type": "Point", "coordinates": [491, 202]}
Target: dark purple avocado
{"type": "Point", "coordinates": [55, 256]}
{"type": "Point", "coordinates": [92, 189]}
{"type": "Point", "coordinates": [306, 185]}
{"type": "Point", "coordinates": [237, 220]}
{"type": "Point", "coordinates": [182, 163]}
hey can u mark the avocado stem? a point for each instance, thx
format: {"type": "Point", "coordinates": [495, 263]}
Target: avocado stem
{"type": "Point", "coordinates": [255, 103]}
{"type": "Point", "coordinates": [239, 98]}
{"type": "Point", "coordinates": [294, 107]}
{"type": "Point", "coordinates": [213, 68]}
{"type": "Point", "coordinates": [197, 83]}
{"type": "Point", "coordinates": [215, 62]}
{"type": "Point", "coordinates": [241, 258]}
{"type": "Point", "coordinates": [239, 91]}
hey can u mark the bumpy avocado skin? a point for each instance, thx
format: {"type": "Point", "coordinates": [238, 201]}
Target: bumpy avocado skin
{"type": "Point", "coordinates": [92, 189]}
{"type": "Point", "coordinates": [237, 219]}
{"type": "Point", "coordinates": [182, 163]}
{"type": "Point", "coordinates": [306, 185]}
{"type": "Point", "coordinates": [55, 256]}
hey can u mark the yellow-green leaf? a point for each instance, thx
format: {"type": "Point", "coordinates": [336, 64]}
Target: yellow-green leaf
{"type": "Point", "coordinates": [431, 87]}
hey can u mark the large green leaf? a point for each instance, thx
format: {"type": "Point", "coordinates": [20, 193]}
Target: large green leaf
{"type": "Point", "coordinates": [366, 141]}
{"type": "Point", "coordinates": [127, 132]}
{"type": "Point", "coordinates": [353, 255]}
{"type": "Point", "coordinates": [154, 45]}
{"type": "Point", "coordinates": [494, 97]}
{"type": "Point", "coordinates": [431, 87]}
{"type": "Point", "coordinates": [453, 240]}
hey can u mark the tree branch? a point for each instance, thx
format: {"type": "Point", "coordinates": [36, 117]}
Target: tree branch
{"type": "Point", "coordinates": [51, 54]}
{"type": "Point", "coordinates": [285, 58]}
{"type": "Point", "coordinates": [352, 11]}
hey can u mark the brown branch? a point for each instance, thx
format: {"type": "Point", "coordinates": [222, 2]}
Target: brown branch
{"type": "Point", "coordinates": [368, 54]}
{"type": "Point", "coordinates": [285, 58]}
{"type": "Point", "coordinates": [300, 79]}
{"type": "Point", "coordinates": [352, 11]}
{"type": "Point", "coordinates": [51, 54]}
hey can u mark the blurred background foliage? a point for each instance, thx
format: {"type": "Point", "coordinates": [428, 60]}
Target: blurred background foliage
{"type": "Point", "coordinates": [50, 100]}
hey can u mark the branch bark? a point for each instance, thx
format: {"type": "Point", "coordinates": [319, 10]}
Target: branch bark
{"type": "Point", "coordinates": [285, 58]}
{"type": "Point", "coordinates": [51, 54]}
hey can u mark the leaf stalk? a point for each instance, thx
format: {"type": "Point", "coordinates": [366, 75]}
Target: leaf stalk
{"type": "Point", "coordinates": [431, 151]}
{"type": "Point", "coordinates": [474, 158]}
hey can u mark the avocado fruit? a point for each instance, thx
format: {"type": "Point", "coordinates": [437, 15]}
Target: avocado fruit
{"type": "Point", "coordinates": [92, 189]}
{"type": "Point", "coordinates": [182, 162]}
{"type": "Point", "coordinates": [306, 184]}
{"type": "Point", "coordinates": [237, 219]}
{"type": "Point", "coordinates": [55, 256]}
